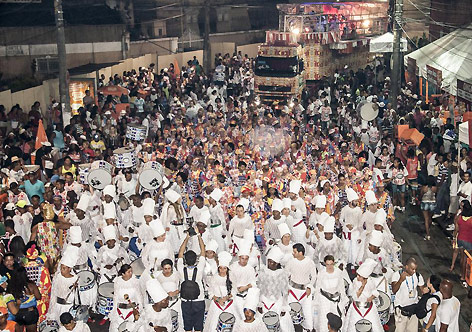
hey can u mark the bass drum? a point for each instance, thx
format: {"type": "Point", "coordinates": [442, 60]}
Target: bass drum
{"type": "Point", "coordinates": [99, 174]}
{"type": "Point", "coordinates": [150, 177]}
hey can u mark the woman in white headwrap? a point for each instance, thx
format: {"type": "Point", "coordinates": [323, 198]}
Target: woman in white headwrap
{"type": "Point", "coordinates": [220, 292]}
{"type": "Point", "coordinates": [285, 244]}
{"type": "Point", "coordinates": [364, 291]}
{"type": "Point", "coordinates": [173, 218]}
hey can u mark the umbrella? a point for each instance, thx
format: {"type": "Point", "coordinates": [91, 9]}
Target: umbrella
{"type": "Point", "coordinates": [114, 90]}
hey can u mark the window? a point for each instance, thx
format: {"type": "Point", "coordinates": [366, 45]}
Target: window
{"type": "Point", "coordinates": [273, 66]}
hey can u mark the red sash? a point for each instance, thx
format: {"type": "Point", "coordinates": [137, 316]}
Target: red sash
{"type": "Point", "coordinates": [268, 309]}
{"type": "Point", "coordinates": [358, 311]}
{"type": "Point", "coordinates": [121, 315]}
{"type": "Point", "coordinates": [296, 298]}
{"type": "Point", "coordinates": [298, 223]}
{"type": "Point", "coordinates": [348, 237]}
{"type": "Point", "coordinates": [227, 306]}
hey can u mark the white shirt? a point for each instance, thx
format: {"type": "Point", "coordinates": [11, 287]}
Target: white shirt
{"type": "Point", "coordinates": [302, 272]}
{"type": "Point", "coordinates": [465, 188]}
{"type": "Point", "coordinates": [448, 313]}
{"type": "Point", "coordinates": [410, 284]}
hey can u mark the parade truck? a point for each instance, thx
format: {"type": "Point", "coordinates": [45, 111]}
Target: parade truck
{"type": "Point", "coordinates": [314, 40]}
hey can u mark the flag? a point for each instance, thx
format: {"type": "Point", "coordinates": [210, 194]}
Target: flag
{"type": "Point", "coordinates": [176, 67]}
{"type": "Point", "coordinates": [40, 135]}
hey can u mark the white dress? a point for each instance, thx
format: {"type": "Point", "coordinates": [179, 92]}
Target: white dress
{"type": "Point", "coordinates": [171, 284]}
{"type": "Point", "coordinates": [356, 313]}
{"type": "Point", "coordinates": [176, 232]}
{"type": "Point", "coordinates": [62, 287]}
{"type": "Point", "coordinates": [256, 326]}
{"type": "Point", "coordinates": [217, 287]}
{"type": "Point", "coordinates": [132, 290]}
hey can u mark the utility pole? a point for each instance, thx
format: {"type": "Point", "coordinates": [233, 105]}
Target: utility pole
{"type": "Point", "coordinates": [397, 34]}
{"type": "Point", "coordinates": [61, 53]}
{"type": "Point", "coordinates": [206, 39]}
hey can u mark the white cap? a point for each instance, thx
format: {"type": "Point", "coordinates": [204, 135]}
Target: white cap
{"type": "Point", "coordinates": [351, 195]}
{"type": "Point", "coordinates": [10, 206]}
{"type": "Point", "coordinates": [224, 259]}
{"type": "Point", "coordinates": [155, 291]}
{"type": "Point", "coordinates": [329, 225]}
{"type": "Point", "coordinates": [364, 125]}
{"type": "Point", "coordinates": [324, 216]}
{"type": "Point", "coordinates": [370, 197]}
{"type": "Point", "coordinates": [110, 190]}
{"type": "Point", "coordinates": [156, 228]}
{"type": "Point", "coordinates": [148, 207]}
{"type": "Point", "coordinates": [70, 256]}
{"type": "Point", "coordinates": [275, 254]}
{"type": "Point", "coordinates": [287, 203]}
{"type": "Point", "coordinates": [295, 186]}
{"type": "Point", "coordinates": [252, 299]}
{"type": "Point", "coordinates": [109, 211]}
{"type": "Point", "coordinates": [75, 234]}
{"type": "Point", "coordinates": [283, 229]}
{"type": "Point", "coordinates": [83, 202]}
{"type": "Point", "coordinates": [244, 202]}
{"type": "Point", "coordinates": [376, 238]}
{"type": "Point", "coordinates": [380, 217]}
{"type": "Point", "coordinates": [172, 196]}
{"type": "Point", "coordinates": [277, 205]}
{"type": "Point", "coordinates": [205, 217]}
{"type": "Point", "coordinates": [109, 232]}
{"type": "Point", "coordinates": [216, 194]}
{"type": "Point", "coordinates": [320, 202]}
{"type": "Point", "coordinates": [322, 183]}
{"type": "Point", "coordinates": [245, 248]}
{"type": "Point", "coordinates": [365, 270]}
{"type": "Point", "coordinates": [212, 245]}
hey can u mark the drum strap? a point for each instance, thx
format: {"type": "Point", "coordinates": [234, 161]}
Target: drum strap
{"type": "Point", "coordinates": [226, 307]}
{"type": "Point", "coordinates": [268, 309]}
{"type": "Point", "coordinates": [235, 247]}
{"type": "Point", "coordinates": [296, 298]}
{"type": "Point", "coordinates": [121, 314]}
{"type": "Point", "coordinates": [298, 223]}
{"type": "Point", "coordinates": [359, 312]}
{"type": "Point", "coordinates": [347, 235]}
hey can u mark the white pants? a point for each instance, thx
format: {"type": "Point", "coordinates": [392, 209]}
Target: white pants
{"type": "Point", "coordinates": [298, 295]}
{"type": "Point", "coordinates": [404, 323]}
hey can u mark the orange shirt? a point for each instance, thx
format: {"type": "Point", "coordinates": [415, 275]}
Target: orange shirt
{"type": "Point", "coordinates": [10, 326]}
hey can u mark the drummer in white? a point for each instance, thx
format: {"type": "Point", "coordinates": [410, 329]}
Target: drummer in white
{"type": "Point", "coordinates": [252, 321]}
{"type": "Point", "coordinates": [218, 220]}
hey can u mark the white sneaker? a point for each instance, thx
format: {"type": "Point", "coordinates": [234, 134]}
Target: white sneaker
{"type": "Point", "coordinates": [435, 216]}
{"type": "Point", "coordinates": [451, 227]}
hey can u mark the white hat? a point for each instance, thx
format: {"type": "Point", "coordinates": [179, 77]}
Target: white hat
{"type": "Point", "coordinates": [212, 245]}
{"type": "Point", "coordinates": [205, 217]}
{"type": "Point", "coordinates": [109, 190]}
{"type": "Point", "coordinates": [265, 162]}
{"type": "Point", "coordinates": [320, 202]}
{"type": "Point", "coordinates": [329, 225]}
{"type": "Point", "coordinates": [283, 229]}
{"type": "Point", "coordinates": [351, 195]}
{"type": "Point", "coordinates": [323, 218]}
{"type": "Point", "coordinates": [156, 228]}
{"type": "Point", "coordinates": [10, 206]}
{"type": "Point", "coordinates": [365, 270]}
{"type": "Point", "coordinates": [155, 291]}
{"type": "Point", "coordinates": [370, 197]}
{"type": "Point", "coordinates": [83, 202]}
{"type": "Point", "coordinates": [324, 182]}
{"type": "Point", "coordinates": [287, 203]}
{"type": "Point", "coordinates": [172, 196]}
{"type": "Point", "coordinates": [109, 211]}
{"type": "Point", "coordinates": [244, 202]}
{"type": "Point", "coordinates": [224, 259]}
{"type": "Point", "coordinates": [245, 248]}
{"type": "Point", "coordinates": [75, 234]}
{"type": "Point", "coordinates": [381, 104]}
{"type": "Point", "coordinates": [46, 143]}
{"type": "Point", "coordinates": [277, 205]}
{"type": "Point", "coordinates": [148, 206]}
{"type": "Point", "coordinates": [295, 186]}
{"type": "Point", "coordinates": [275, 254]}
{"type": "Point", "coordinates": [369, 98]}
{"type": "Point", "coordinates": [109, 232]}
{"type": "Point", "coordinates": [252, 299]}
{"type": "Point", "coordinates": [216, 194]}
{"type": "Point", "coordinates": [380, 217]}
{"type": "Point", "coordinates": [376, 238]}
{"type": "Point", "coordinates": [70, 256]}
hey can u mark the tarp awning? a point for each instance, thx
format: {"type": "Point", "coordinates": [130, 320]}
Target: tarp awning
{"type": "Point", "coordinates": [384, 44]}
{"type": "Point", "coordinates": [114, 90]}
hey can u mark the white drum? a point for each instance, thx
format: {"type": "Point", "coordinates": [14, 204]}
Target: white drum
{"type": "Point", "coordinates": [136, 132]}
{"type": "Point", "coordinates": [226, 322]}
{"type": "Point", "coordinates": [363, 325]}
{"type": "Point", "coordinates": [105, 298]}
{"type": "Point", "coordinates": [138, 267]}
{"type": "Point", "coordinates": [84, 170]}
{"type": "Point", "coordinates": [86, 280]}
{"type": "Point", "coordinates": [150, 177]}
{"type": "Point", "coordinates": [126, 326]}
{"type": "Point", "coordinates": [125, 158]}
{"type": "Point", "coordinates": [383, 307]}
{"type": "Point", "coordinates": [100, 174]}
{"type": "Point", "coordinates": [48, 326]}
{"type": "Point", "coordinates": [296, 313]}
{"type": "Point", "coordinates": [271, 321]}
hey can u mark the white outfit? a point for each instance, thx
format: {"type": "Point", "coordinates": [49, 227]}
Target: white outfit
{"type": "Point", "coordinates": [236, 230]}
{"type": "Point", "coordinates": [155, 252]}
{"type": "Point", "coordinates": [79, 327]}
{"type": "Point", "coordinates": [217, 225]}
{"type": "Point", "coordinates": [351, 216]}
{"type": "Point", "coordinates": [63, 288]}
{"type": "Point", "coordinates": [256, 326]}
{"type": "Point", "coordinates": [176, 233]}
{"type": "Point", "coordinates": [152, 318]}
{"type": "Point", "coordinates": [241, 276]}
{"type": "Point", "coordinates": [217, 287]}
{"type": "Point", "coordinates": [112, 256]}
{"type": "Point", "coordinates": [125, 289]}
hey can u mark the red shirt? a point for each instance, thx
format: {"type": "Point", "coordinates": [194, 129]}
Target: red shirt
{"type": "Point", "coordinates": [465, 229]}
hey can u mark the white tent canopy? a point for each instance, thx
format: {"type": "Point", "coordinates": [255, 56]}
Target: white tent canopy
{"type": "Point", "coordinates": [451, 54]}
{"type": "Point", "coordinates": [384, 44]}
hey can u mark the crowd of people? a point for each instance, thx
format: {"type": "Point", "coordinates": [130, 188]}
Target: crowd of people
{"type": "Point", "coordinates": [259, 218]}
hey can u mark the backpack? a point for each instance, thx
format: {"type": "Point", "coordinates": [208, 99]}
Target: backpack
{"type": "Point", "coordinates": [189, 289]}
{"type": "Point", "coordinates": [419, 308]}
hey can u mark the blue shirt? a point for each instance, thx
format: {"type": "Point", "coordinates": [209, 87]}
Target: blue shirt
{"type": "Point", "coordinates": [34, 189]}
